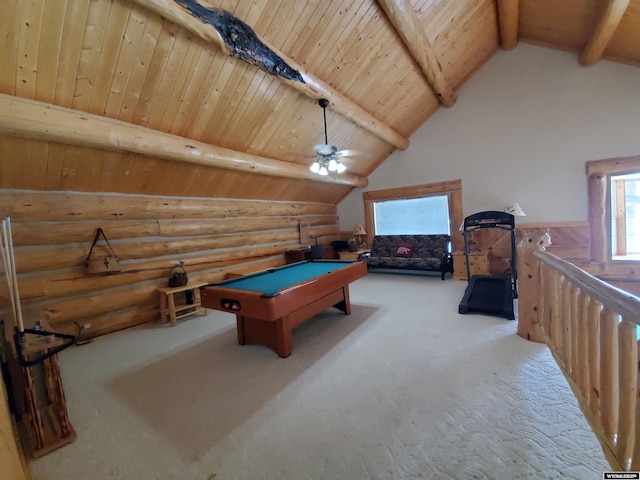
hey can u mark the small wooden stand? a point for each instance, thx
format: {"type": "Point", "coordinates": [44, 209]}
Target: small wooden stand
{"type": "Point", "coordinates": [478, 264]}
{"type": "Point", "coordinates": [41, 408]}
{"type": "Point", "coordinates": [174, 312]}
{"type": "Point", "coordinates": [297, 255]}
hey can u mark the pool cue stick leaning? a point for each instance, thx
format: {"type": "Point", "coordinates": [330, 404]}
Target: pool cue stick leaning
{"type": "Point", "coordinates": [10, 271]}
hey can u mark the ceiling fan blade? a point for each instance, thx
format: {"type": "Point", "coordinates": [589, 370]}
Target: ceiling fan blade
{"type": "Point", "coordinates": [348, 153]}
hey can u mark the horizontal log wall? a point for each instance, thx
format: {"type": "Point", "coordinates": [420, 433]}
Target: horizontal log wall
{"type": "Point", "coordinates": [52, 234]}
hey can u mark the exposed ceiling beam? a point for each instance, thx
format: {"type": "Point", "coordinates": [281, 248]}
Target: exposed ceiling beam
{"type": "Point", "coordinates": [605, 28]}
{"type": "Point", "coordinates": [201, 21]}
{"type": "Point", "coordinates": [508, 20]}
{"type": "Point", "coordinates": [40, 121]}
{"type": "Point", "coordinates": [407, 24]}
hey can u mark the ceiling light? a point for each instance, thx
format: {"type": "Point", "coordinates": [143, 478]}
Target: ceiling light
{"type": "Point", "coordinates": [327, 155]}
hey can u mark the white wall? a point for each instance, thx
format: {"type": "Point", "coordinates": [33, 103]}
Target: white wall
{"type": "Point", "coordinates": [521, 131]}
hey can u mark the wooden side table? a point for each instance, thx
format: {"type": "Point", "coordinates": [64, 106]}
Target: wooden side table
{"type": "Point", "coordinates": [297, 255]}
{"type": "Point", "coordinates": [353, 256]}
{"type": "Point", "coordinates": [478, 264]}
{"type": "Point", "coordinates": [176, 311]}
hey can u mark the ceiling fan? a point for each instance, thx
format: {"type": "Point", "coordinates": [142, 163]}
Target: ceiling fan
{"type": "Point", "coordinates": [328, 156]}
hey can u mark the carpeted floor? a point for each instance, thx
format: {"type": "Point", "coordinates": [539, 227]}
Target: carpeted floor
{"type": "Point", "coordinates": [403, 388]}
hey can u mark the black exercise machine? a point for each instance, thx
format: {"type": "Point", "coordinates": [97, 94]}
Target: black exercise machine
{"type": "Point", "coordinates": [490, 294]}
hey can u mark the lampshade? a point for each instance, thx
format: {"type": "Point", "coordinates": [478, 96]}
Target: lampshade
{"type": "Point", "coordinates": [359, 230]}
{"type": "Point", "coordinates": [515, 210]}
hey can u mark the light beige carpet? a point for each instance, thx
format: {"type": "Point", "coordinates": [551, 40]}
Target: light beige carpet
{"type": "Point", "coordinates": [404, 388]}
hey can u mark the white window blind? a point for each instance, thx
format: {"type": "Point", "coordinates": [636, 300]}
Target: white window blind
{"type": "Point", "coordinates": [417, 216]}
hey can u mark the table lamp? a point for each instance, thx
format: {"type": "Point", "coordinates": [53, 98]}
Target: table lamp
{"type": "Point", "coordinates": [515, 210]}
{"type": "Point", "coordinates": [358, 233]}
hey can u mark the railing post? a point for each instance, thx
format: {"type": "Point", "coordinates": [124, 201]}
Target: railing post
{"type": "Point", "coordinates": [609, 392]}
{"type": "Point", "coordinates": [530, 285]}
{"type": "Point", "coordinates": [628, 392]}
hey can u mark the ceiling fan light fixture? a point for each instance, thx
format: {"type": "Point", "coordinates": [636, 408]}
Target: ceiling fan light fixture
{"type": "Point", "coordinates": [327, 155]}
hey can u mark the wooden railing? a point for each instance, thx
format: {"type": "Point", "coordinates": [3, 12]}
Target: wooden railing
{"type": "Point", "coordinates": [591, 329]}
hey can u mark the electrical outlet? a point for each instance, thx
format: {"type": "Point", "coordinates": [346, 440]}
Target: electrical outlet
{"type": "Point", "coordinates": [505, 260]}
{"type": "Point", "coordinates": [86, 326]}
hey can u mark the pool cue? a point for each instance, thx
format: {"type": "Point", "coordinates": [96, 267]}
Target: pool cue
{"type": "Point", "coordinates": [10, 269]}
{"type": "Point", "coordinates": [7, 273]}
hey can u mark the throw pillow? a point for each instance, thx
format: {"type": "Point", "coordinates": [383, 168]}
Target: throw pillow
{"type": "Point", "coordinates": [404, 250]}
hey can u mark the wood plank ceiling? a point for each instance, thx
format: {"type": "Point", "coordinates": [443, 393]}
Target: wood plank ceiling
{"type": "Point", "coordinates": [140, 96]}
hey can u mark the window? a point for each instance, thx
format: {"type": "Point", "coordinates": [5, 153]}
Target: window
{"type": "Point", "coordinates": [625, 216]}
{"type": "Point", "coordinates": [614, 207]}
{"type": "Point", "coordinates": [418, 216]}
{"type": "Point", "coordinates": [424, 209]}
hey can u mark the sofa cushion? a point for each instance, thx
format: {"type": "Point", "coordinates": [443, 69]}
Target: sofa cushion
{"type": "Point", "coordinates": [407, 263]}
{"type": "Point", "coordinates": [404, 250]}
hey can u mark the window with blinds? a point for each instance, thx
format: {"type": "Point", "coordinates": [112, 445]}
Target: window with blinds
{"type": "Point", "coordinates": [417, 216]}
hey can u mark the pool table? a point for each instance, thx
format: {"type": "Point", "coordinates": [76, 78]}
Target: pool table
{"type": "Point", "coordinates": [269, 304]}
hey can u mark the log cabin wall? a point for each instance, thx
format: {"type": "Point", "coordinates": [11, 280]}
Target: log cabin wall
{"type": "Point", "coordinates": [53, 232]}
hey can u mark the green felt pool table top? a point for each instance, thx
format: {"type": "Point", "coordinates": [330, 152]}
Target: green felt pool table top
{"type": "Point", "coordinates": [270, 282]}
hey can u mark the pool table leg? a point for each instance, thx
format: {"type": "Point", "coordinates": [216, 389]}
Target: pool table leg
{"type": "Point", "coordinates": [275, 334]}
{"type": "Point", "coordinates": [344, 305]}
{"type": "Point", "coordinates": [240, 329]}
{"type": "Point", "coordinates": [283, 337]}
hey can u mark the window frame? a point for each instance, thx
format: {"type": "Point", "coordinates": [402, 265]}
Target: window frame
{"type": "Point", "coordinates": [452, 189]}
{"type": "Point", "coordinates": [599, 174]}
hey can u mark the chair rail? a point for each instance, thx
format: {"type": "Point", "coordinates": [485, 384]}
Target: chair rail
{"type": "Point", "coordinates": [591, 329]}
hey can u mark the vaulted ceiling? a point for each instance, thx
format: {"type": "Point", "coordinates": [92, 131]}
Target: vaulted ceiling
{"type": "Point", "coordinates": [166, 97]}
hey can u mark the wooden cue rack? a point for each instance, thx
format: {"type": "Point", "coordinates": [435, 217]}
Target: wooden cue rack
{"type": "Point", "coordinates": [36, 393]}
